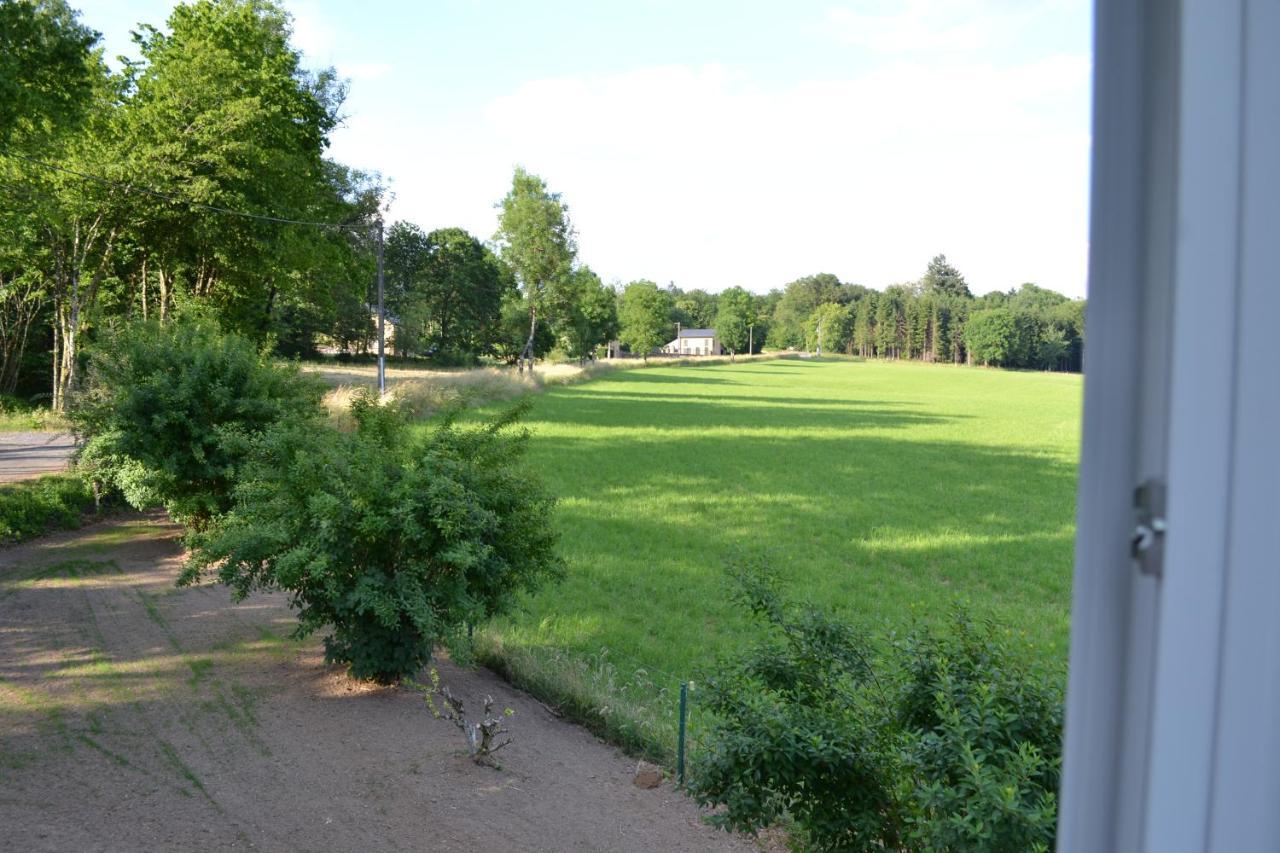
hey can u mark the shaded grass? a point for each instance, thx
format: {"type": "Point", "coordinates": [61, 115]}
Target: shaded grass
{"type": "Point", "coordinates": [893, 492]}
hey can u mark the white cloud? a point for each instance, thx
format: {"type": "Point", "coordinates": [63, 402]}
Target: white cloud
{"type": "Point", "coordinates": [312, 32]}
{"type": "Point", "coordinates": [364, 70]}
{"type": "Point", "coordinates": [911, 26]}
{"type": "Point", "coordinates": [935, 26]}
{"type": "Point", "coordinates": [712, 178]}
{"type": "Point", "coordinates": [694, 175]}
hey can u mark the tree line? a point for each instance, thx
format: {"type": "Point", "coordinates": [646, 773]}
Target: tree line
{"type": "Point", "coordinates": [197, 177]}
{"type": "Point", "coordinates": [933, 319]}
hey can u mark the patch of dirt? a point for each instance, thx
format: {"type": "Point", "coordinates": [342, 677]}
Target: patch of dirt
{"type": "Point", "coordinates": [136, 716]}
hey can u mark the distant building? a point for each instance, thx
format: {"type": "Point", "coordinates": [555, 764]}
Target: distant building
{"type": "Point", "coordinates": [694, 342]}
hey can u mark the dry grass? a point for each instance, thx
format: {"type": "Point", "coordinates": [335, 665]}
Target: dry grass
{"type": "Point", "coordinates": [567, 374]}
{"type": "Point", "coordinates": [434, 391]}
{"type": "Point", "coordinates": [366, 375]}
{"type": "Point", "coordinates": [424, 392]}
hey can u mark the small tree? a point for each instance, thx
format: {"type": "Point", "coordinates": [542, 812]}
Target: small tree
{"type": "Point", "coordinates": [394, 540]}
{"type": "Point", "coordinates": [645, 317]}
{"type": "Point", "coordinates": [170, 410]}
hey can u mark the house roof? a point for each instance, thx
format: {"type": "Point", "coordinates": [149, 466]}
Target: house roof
{"type": "Point", "coordinates": [697, 333]}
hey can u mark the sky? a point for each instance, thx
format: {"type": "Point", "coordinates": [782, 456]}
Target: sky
{"type": "Point", "coordinates": [714, 143]}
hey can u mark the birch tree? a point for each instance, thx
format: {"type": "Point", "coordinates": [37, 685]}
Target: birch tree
{"type": "Point", "coordinates": [536, 239]}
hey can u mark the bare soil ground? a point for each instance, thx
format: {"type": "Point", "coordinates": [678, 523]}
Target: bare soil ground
{"type": "Point", "coordinates": [137, 716]}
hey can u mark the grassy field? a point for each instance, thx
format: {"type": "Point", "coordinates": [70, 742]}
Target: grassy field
{"type": "Point", "coordinates": [891, 491]}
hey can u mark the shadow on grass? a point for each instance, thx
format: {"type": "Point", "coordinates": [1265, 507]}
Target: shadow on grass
{"type": "Point", "coordinates": [609, 408]}
{"type": "Point", "coordinates": [856, 508]}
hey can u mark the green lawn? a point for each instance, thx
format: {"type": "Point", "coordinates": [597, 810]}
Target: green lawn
{"type": "Point", "coordinates": [892, 491]}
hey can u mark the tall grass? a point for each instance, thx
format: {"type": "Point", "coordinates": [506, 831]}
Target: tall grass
{"type": "Point", "coordinates": [16, 416]}
{"type": "Point", "coordinates": [425, 396]}
{"type": "Point", "coordinates": [424, 393]}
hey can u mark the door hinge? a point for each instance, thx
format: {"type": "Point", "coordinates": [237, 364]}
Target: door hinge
{"type": "Point", "coordinates": [1147, 543]}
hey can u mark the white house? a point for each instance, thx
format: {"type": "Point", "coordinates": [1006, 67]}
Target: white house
{"type": "Point", "coordinates": [694, 342]}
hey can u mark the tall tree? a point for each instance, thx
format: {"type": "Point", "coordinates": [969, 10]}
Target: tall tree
{"type": "Point", "coordinates": [79, 224]}
{"type": "Point", "coordinates": [445, 288]}
{"type": "Point", "coordinates": [797, 304]}
{"type": "Point", "coordinates": [891, 320]}
{"type": "Point", "coordinates": [942, 278]}
{"type": "Point", "coordinates": [47, 75]}
{"type": "Point", "coordinates": [536, 239]}
{"type": "Point", "coordinates": [734, 317]}
{"type": "Point", "coordinates": [696, 309]}
{"type": "Point", "coordinates": [587, 312]}
{"type": "Point", "coordinates": [465, 283]}
{"type": "Point", "coordinates": [405, 263]}
{"type": "Point", "coordinates": [864, 325]}
{"type": "Point", "coordinates": [644, 317]}
{"type": "Point", "coordinates": [829, 327]}
{"type": "Point", "coordinates": [222, 113]}
{"type": "Point", "coordinates": [991, 336]}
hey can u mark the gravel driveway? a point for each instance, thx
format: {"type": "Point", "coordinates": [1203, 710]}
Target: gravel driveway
{"type": "Point", "coordinates": [24, 455]}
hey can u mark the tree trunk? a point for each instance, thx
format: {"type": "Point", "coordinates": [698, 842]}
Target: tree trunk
{"type": "Point", "coordinates": [527, 353]}
{"type": "Point", "coordinates": [164, 296]}
{"type": "Point", "coordinates": [69, 320]}
{"type": "Point", "coordinates": [56, 356]}
{"type": "Point", "coordinates": [72, 297]}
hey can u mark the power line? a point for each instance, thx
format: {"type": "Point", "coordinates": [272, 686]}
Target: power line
{"type": "Point", "coordinates": [262, 217]}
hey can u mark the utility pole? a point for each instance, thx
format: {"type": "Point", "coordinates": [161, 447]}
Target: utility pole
{"type": "Point", "coordinates": [819, 339]}
{"type": "Point", "coordinates": [751, 339]}
{"type": "Point", "coordinates": [382, 319]}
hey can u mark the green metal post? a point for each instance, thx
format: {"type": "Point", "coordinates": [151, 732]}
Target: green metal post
{"type": "Point", "coordinates": [684, 710]}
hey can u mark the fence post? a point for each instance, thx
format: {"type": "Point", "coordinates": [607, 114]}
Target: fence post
{"type": "Point", "coordinates": [684, 709]}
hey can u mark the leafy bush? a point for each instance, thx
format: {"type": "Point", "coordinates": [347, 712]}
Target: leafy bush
{"type": "Point", "coordinates": [946, 742]}
{"type": "Point", "coordinates": [394, 538]}
{"type": "Point", "coordinates": [33, 507]}
{"type": "Point", "coordinates": [982, 746]}
{"type": "Point", "coordinates": [170, 409]}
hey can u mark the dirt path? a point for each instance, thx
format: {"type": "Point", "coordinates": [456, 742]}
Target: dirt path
{"type": "Point", "coordinates": [136, 716]}
{"type": "Point", "coordinates": [24, 455]}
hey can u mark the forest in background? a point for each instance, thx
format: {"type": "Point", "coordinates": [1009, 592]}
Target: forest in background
{"type": "Point", "coordinates": [197, 178]}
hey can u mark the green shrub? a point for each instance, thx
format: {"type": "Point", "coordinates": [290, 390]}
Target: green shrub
{"type": "Point", "coordinates": [33, 507]}
{"type": "Point", "coordinates": [944, 742]}
{"type": "Point", "coordinates": [170, 409]}
{"type": "Point", "coordinates": [394, 539]}
{"type": "Point", "coordinates": [983, 745]}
